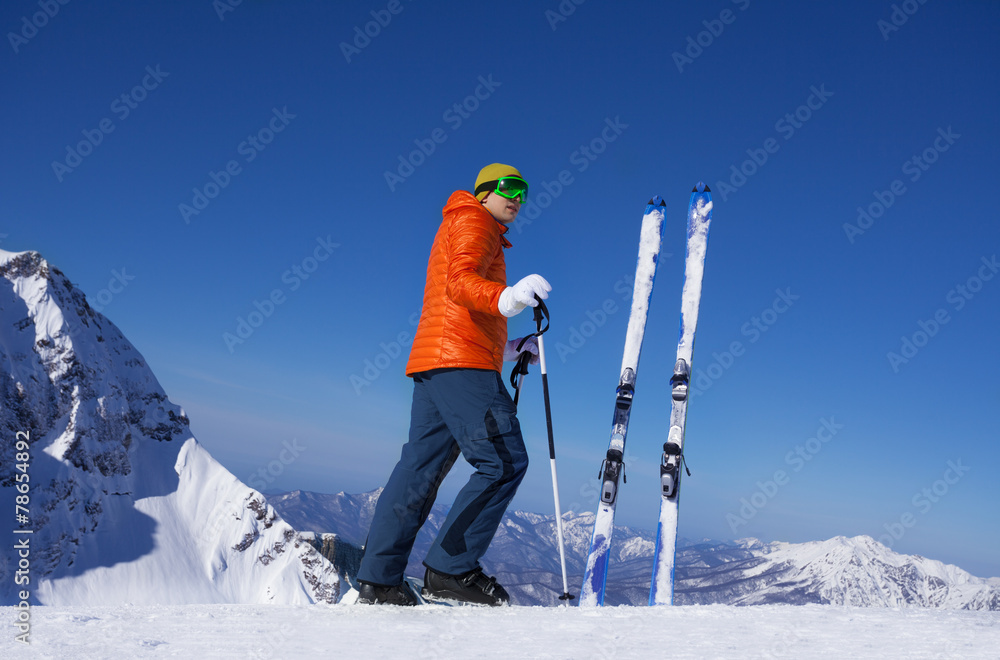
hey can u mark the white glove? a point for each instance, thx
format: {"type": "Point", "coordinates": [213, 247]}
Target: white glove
{"type": "Point", "coordinates": [511, 353]}
{"type": "Point", "coordinates": [515, 298]}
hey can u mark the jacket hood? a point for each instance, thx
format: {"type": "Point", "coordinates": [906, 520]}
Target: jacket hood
{"type": "Point", "coordinates": [461, 199]}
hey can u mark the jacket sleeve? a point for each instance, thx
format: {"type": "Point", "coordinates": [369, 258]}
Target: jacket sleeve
{"type": "Point", "coordinates": [473, 243]}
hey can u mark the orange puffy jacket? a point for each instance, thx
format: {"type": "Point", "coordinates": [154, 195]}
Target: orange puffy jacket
{"type": "Point", "coordinates": [460, 325]}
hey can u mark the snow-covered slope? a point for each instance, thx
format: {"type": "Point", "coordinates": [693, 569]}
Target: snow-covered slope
{"type": "Point", "coordinates": [858, 571]}
{"type": "Point", "coordinates": [125, 505]}
{"type": "Point", "coordinates": [524, 557]}
{"type": "Point", "coordinates": [714, 632]}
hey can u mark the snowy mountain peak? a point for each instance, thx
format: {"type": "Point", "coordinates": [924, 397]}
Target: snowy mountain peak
{"type": "Point", "coordinates": [856, 571]}
{"type": "Point", "coordinates": [524, 557]}
{"type": "Point", "coordinates": [125, 505]}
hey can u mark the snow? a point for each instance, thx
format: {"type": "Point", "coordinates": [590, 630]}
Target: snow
{"type": "Point", "coordinates": [645, 272]}
{"type": "Point", "coordinates": [599, 549]}
{"type": "Point", "coordinates": [861, 571]}
{"type": "Point", "coordinates": [694, 271]}
{"type": "Point", "coordinates": [189, 556]}
{"type": "Point", "coordinates": [663, 570]}
{"type": "Point", "coordinates": [352, 631]}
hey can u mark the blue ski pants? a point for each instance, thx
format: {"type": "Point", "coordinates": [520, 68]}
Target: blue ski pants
{"type": "Point", "coordinates": [455, 411]}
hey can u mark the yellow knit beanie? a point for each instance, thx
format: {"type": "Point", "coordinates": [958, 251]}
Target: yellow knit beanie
{"type": "Point", "coordinates": [492, 173]}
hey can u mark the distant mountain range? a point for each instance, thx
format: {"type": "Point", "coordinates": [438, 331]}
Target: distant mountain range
{"type": "Point", "coordinates": [855, 571]}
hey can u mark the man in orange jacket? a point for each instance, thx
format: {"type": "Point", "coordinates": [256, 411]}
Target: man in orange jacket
{"type": "Point", "coordinates": [460, 404]}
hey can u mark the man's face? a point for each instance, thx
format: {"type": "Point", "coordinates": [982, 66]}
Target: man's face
{"type": "Point", "coordinates": [503, 209]}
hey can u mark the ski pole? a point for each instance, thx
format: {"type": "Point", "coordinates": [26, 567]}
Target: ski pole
{"type": "Point", "coordinates": [521, 366]}
{"type": "Point", "coordinates": [539, 311]}
{"type": "Point", "coordinates": [520, 369]}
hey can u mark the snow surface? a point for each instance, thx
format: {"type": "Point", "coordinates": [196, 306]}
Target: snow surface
{"type": "Point", "coordinates": [863, 572]}
{"type": "Point", "coordinates": [353, 631]}
{"type": "Point", "coordinates": [594, 578]}
{"type": "Point", "coordinates": [662, 592]}
{"type": "Point", "coordinates": [645, 272]}
{"type": "Point", "coordinates": [694, 272]}
{"type": "Point", "coordinates": [191, 558]}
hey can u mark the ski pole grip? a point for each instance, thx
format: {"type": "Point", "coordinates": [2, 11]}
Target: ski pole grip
{"type": "Point", "coordinates": [520, 368]}
{"type": "Point", "coordinates": [541, 312]}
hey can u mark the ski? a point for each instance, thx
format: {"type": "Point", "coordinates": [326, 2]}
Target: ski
{"type": "Point", "coordinates": [595, 576]}
{"type": "Point", "coordinates": [661, 590]}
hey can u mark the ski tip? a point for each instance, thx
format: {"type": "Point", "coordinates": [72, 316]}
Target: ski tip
{"type": "Point", "coordinates": [701, 187]}
{"type": "Point", "coordinates": [656, 201]}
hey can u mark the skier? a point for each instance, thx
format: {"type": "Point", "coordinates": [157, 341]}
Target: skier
{"type": "Point", "coordinates": [460, 404]}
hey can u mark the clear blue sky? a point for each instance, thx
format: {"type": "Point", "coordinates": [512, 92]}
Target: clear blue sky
{"type": "Point", "coordinates": [838, 102]}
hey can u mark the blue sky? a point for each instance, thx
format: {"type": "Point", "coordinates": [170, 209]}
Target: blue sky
{"type": "Point", "coordinates": [192, 164]}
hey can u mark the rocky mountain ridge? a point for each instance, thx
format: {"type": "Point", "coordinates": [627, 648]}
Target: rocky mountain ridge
{"type": "Point", "coordinates": [124, 505]}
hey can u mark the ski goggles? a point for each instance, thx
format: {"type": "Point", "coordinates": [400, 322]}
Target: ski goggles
{"type": "Point", "coordinates": [511, 187]}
